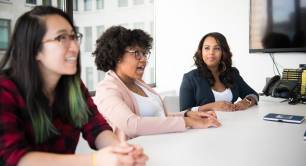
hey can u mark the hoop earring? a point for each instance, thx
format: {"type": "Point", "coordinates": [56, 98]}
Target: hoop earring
{"type": "Point", "coordinates": [222, 63]}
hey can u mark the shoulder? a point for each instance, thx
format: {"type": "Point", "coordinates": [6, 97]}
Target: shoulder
{"type": "Point", "coordinates": [235, 72]}
{"type": "Point", "coordinates": [7, 84]}
{"type": "Point", "coordinates": [193, 73]}
{"type": "Point", "coordinates": [9, 92]}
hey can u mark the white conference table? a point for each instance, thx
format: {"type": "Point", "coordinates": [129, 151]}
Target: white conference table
{"type": "Point", "coordinates": [244, 139]}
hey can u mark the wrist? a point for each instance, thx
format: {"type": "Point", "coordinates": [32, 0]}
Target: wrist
{"type": "Point", "coordinates": [186, 113]}
{"type": "Point", "coordinates": [94, 159]}
{"type": "Point", "coordinates": [187, 122]}
{"type": "Point", "coordinates": [248, 100]}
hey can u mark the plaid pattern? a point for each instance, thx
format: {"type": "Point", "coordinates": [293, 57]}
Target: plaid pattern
{"type": "Point", "coordinates": [16, 133]}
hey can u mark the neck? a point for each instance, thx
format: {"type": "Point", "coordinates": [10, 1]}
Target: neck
{"type": "Point", "coordinates": [129, 82]}
{"type": "Point", "coordinates": [215, 71]}
{"type": "Point", "coordinates": [50, 84]}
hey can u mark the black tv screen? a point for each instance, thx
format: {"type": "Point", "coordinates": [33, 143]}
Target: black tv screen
{"type": "Point", "coordinates": [277, 26]}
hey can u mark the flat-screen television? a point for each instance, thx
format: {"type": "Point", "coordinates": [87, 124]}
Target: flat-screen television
{"type": "Point", "coordinates": [277, 26]}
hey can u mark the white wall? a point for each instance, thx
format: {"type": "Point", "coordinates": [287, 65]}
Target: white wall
{"type": "Point", "coordinates": [180, 24]}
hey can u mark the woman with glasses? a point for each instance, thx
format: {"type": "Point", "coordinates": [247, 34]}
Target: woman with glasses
{"type": "Point", "coordinates": [131, 107]}
{"type": "Point", "coordinates": [215, 84]}
{"type": "Point", "coordinates": [44, 106]}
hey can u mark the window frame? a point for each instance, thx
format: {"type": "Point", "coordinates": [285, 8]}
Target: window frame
{"type": "Point", "coordinates": [8, 31]}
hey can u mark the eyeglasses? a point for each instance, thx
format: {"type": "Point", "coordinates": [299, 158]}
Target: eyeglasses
{"type": "Point", "coordinates": [138, 54]}
{"type": "Point", "coordinates": [65, 39]}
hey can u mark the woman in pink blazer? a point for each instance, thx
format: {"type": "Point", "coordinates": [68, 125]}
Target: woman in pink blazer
{"type": "Point", "coordinates": [130, 106]}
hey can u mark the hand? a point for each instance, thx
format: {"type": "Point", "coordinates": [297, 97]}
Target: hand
{"type": "Point", "coordinates": [222, 106]}
{"type": "Point", "coordinates": [242, 105]}
{"type": "Point", "coordinates": [139, 156]}
{"type": "Point", "coordinates": [203, 122]}
{"type": "Point", "coordinates": [122, 154]}
{"type": "Point", "coordinates": [199, 114]}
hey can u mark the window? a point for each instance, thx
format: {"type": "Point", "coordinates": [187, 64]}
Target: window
{"type": "Point", "coordinates": [122, 3]}
{"type": "Point", "coordinates": [4, 33]}
{"type": "Point", "coordinates": [100, 4]}
{"type": "Point", "coordinates": [138, 2]}
{"type": "Point", "coordinates": [87, 5]}
{"type": "Point", "coordinates": [75, 5]}
{"type": "Point", "coordinates": [139, 25]}
{"type": "Point", "coordinates": [61, 4]}
{"type": "Point", "coordinates": [47, 2]}
{"type": "Point", "coordinates": [101, 75]}
{"type": "Point", "coordinates": [31, 1]}
{"type": "Point", "coordinates": [89, 78]}
{"type": "Point", "coordinates": [100, 30]}
{"type": "Point", "coordinates": [88, 39]}
{"type": "Point", "coordinates": [140, 17]}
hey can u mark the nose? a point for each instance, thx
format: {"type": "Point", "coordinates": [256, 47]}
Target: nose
{"type": "Point", "coordinates": [211, 51]}
{"type": "Point", "coordinates": [74, 46]}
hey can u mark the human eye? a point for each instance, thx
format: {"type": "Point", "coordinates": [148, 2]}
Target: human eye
{"type": "Point", "coordinates": [62, 37]}
{"type": "Point", "coordinates": [73, 37]}
{"type": "Point", "coordinates": [217, 48]}
{"type": "Point", "coordinates": [206, 48]}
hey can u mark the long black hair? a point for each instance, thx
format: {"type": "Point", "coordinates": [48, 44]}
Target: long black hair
{"type": "Point", "coordinates": [225, 66]}
{"type": "Point", "coordinates": [20, 65]}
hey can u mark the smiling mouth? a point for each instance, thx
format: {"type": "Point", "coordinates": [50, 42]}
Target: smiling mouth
{"type": "Point", "coordinates": [71, 59]}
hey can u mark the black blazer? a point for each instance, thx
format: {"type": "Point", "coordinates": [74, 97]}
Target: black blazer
{"type": "Point", "coordinates": [196, 91]}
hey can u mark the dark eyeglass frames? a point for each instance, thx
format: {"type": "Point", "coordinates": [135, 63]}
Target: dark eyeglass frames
{"type": "Point", "coordinates": [138, 54]}
{"type": "Point", "coordinates": [65, 39]}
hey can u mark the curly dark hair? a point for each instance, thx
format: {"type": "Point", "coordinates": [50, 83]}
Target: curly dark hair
{"type": "Point", "coordinates": [110, 47]}
{"type": "Point", "coordinates": [226, 75]}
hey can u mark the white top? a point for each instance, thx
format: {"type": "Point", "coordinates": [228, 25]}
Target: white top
{"type": "Point", "coordinates": [226, 95]}
{"type": "Point", "coordinates": [150, 105]}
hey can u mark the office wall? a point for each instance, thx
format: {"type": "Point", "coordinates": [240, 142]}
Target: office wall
{"type": "Point", "coordinates": [180, 24]}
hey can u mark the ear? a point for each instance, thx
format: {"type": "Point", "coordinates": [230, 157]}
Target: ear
{"type": "Point", "coordinates": [39, 56]}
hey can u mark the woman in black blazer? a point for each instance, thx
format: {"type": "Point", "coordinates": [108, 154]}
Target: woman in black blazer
{"type": "Point", "coordinates": [215, 84]}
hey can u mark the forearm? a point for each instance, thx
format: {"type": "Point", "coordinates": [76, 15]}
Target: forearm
{"type": "Point", "coordinates": [51, 159]}
{"type": "Point", "coordinates": [106, 138]}
{"type": "Point", "coordinates": [206, 107]}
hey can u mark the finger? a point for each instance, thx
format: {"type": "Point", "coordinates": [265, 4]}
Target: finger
{"type": "Point", "coordinates": [122, 149]}
{"type": "Point", "coordinates": [141, 159]}
{"type": "Point", "coordinates": [125, 160]}
{"type": "Point", "coordinates": [212, 113]}
{"type": "Point", "coordinates": [204, 114]}
{"type": "Point", "coordinates": [215, 123]}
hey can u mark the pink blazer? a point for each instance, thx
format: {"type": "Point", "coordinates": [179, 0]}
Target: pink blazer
{"type": "Point", "coordinates": [116, 103]}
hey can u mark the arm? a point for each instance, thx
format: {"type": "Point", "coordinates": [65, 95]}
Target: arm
{"type": "Point", "coordinates": [113, 104]}
{"type": "Point", "coordinates": [245, 90]}
{"type": "Point", "coordinates": [187, 96]}
{"type": "Point", "coordinates": [14, 147]}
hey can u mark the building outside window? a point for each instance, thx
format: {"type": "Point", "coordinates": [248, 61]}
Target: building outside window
{"type": "Point", "coordinates": [47, 2]}
{"type": "Point", "coordinates": [87, 5]}
{"type": "Point", "coordinates": [4, 33]}
{"type": "Point", "coordinates": [31, 2]}
{"type": "Point", "coordinates": [139, 25]}
{"type": "Point", "coordinates": [138, 2]}
{"type": "Point", "coordinates": [75, 5]}
{"type": "Point", "coordinates": [88, 39]}
{"type": "Point", "coordinates": [93, 23]}
{"type": "Point", "coordinates": [100, 30]}
{"type": "Point", "coordinates": [122, 3]}
{"type": "Point", "coordinates": [89, 78]}
{"type": "Point", "coordinates": [61, 4]}
{"type": "Point", "coordinates": [100, 4]}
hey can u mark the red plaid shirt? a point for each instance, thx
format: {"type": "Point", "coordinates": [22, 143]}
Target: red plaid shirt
{"type": "Point", "coordinates": [16, 133]}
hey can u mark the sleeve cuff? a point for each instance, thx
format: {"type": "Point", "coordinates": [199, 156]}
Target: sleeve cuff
{"type": "Point", "coordinates": [254, 97]}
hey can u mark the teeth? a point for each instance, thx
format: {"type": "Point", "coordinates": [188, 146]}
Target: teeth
{"type": "Point", "coordinates": [72, 58]}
